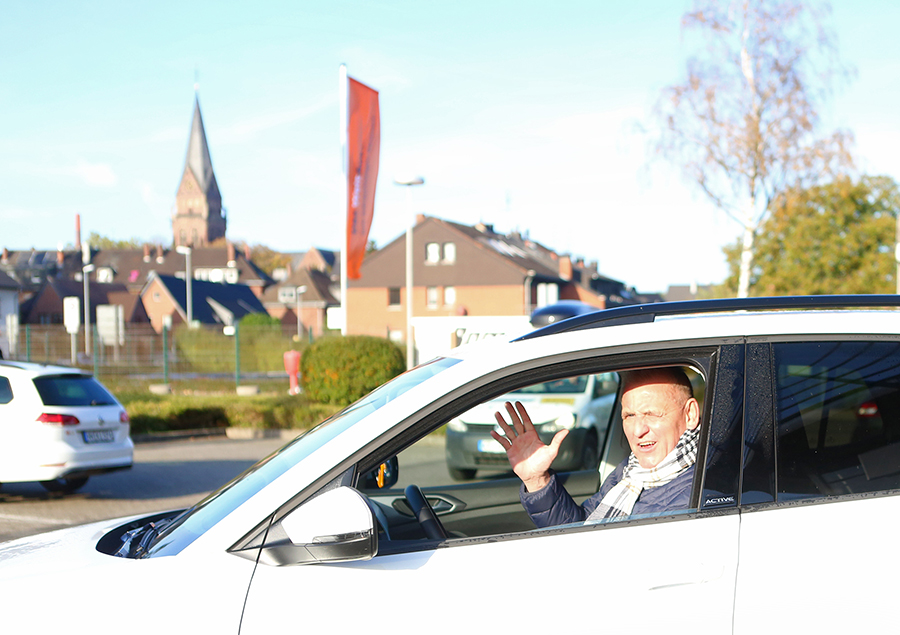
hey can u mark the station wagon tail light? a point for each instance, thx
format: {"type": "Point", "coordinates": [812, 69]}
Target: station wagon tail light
{"type": "Point", "coordinates": [867, 409]}
{"type": "Point", "coordinates": [58, 420]}
{"type": "Point", "coordinates": [123, 417]}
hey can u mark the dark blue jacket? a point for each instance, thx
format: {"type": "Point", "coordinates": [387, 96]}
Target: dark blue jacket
{"type": "Point", "coordinates": [552, 505]}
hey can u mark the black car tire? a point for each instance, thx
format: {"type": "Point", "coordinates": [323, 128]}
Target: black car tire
{"type": "Point", "coordinates": [66, 484]}
{"type": "Point", "coordinates": [461, 474]}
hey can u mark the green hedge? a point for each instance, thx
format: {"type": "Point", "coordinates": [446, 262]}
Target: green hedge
{"type": "Point", "coordinates": [162, 413]}
{"type": "Point", "coordinates": [340, 370]}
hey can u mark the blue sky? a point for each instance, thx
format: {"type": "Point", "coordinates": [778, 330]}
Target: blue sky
{"type": "Point", "coordinates": [521, 114]}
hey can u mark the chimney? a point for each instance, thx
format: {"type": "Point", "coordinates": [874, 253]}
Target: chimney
{"type": "Point", "coordinates": [420, 218]}
{"type": "Point", "coordinates": [146, 252]}
{"type": "Point", "coordinates": [565, 267]}
{"type": "Point", "coordinates": [231, 254]}
{"type": "Point", "coordinates": [247, 252]}
{"type": "Point", "coordinates": [159, 254]}
{"type": "Point", "coordinates": [60, 257]}
{"type": "Point", "coordinates": [5, 256]}
{"type": "Point", "coordinates": [78, 229]}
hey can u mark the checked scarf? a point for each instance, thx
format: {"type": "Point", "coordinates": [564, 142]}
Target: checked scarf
{"type": "Point", "coordinates": [620, 500]}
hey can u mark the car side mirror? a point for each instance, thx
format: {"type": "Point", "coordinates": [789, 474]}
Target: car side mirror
{"type": "Point", "coordinates": [335, 526]}
{"type": "Point", "coordinates": [382, 477]}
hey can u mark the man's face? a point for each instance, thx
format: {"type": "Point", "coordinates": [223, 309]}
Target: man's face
{"type": "Point", "coordinates": [654, 416]}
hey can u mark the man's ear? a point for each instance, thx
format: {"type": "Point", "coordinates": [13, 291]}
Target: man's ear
{"type": "Point", "coordinates": [693, 413]}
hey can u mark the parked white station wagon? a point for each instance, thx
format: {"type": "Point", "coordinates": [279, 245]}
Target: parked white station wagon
{"type": "Point", "coordinates": [59, 426]}
{"type": "Point", "coordinates": [357, 526]}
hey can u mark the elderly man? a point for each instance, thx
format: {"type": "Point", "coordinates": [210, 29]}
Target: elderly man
{"type": "Point", "coordinates": [660, 418]}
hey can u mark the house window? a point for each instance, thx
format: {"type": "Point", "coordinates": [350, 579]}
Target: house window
{"type": "Point", "coordinates": [449, 296]}
{"type": "Point", "coordinates": [431, 297]}
{"type": "Point", "coordinates": [449, 253]}
{"type": "Point", "coordinates": [231, 275]}
{"type": "Point", "coordinates": [432, 253]}
{"type": "Point", "coordinates": [216, 275]}
{"type": "Point", "coordinates": [394, 296]}
{"type": "Point", "coordinates": [547, 293]}
{"type": "Point", "coordinates": [104, 274]}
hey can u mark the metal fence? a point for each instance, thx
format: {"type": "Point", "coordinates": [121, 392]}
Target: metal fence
{"type": "Point", "coordinates": [252, 352]}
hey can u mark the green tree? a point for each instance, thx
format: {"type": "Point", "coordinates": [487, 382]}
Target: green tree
{"type": "Point", "coordinates": [744, 123]}
{"type": "Point", "coordinates": [268, 259]}
{"type": "Point", "coordinates": [833, 238]}
{"type": "Point", "coordinates": [97, 241]}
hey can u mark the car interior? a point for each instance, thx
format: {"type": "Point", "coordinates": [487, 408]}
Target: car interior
{"type": "Point", "coordinates": [415, 499]}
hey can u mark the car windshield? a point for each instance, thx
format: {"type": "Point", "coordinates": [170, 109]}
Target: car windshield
{"type": "Point", "coordinates": [198, 519]}
{"type": "Point", "coordinates": [72, 390]}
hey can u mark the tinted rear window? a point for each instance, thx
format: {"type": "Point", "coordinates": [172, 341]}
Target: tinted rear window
{"type": "Point", "coordinates": [72, 390]}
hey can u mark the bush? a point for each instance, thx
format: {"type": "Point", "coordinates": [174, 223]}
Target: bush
{"type": "Point", "coordinates": [153, 413]}
{"type": "Point", "coordinates": [340, 370]}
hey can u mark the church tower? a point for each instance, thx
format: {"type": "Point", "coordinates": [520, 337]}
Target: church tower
{"type": "Point", "coordinates": [198, 218]}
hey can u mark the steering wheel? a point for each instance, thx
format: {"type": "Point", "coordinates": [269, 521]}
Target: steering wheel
{"type": "Point", "coordinates": [428, 520]}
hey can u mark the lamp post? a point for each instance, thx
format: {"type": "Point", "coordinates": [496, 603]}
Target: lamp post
{"type": "Point", "coordinates": [300, 291]}
{"type": "Point", "coordinates": [410, 344]}
{"type": "Point", "coordinates": [188, 281]}
{"type": "Point", "coordinates": [86, 276]}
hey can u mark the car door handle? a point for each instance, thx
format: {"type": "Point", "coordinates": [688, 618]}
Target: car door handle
{"type": "Point", "coordinates": [440, 503]}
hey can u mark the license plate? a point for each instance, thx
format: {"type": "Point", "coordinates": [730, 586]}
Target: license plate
{"type": "Point", "coordinates": [99, 436]}
{"type": "Point", "coordinates": [490, 446]}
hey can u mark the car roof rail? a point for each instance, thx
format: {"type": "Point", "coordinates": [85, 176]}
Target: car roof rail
{"type": "Point", "coordinates": [642, 313]}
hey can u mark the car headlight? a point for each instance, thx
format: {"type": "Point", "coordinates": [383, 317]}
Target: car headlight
{"type": "Point", "coordinates": [564, 422]}
{"type": "Point", "coordinates": [457, 425]}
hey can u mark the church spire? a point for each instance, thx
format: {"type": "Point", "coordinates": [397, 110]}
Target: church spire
{"type": "Point", "coordinates": [199, 218]}
{"type": "Point", "coordinates": [198, 159]}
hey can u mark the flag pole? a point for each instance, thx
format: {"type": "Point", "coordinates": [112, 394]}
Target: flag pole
{"type": "Point", "coordinates": [343, 108]}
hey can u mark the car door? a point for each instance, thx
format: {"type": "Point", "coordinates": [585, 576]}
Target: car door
{"type": "Point", "coordinates": [822, 478]}
{"type": "Point", "coordinates": [674, 571]}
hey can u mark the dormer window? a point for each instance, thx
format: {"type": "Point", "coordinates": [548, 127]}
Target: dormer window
{"type": "Point", "coordinates": [105, 274]}
{"type": "Point", "coordinates": [287, 295]}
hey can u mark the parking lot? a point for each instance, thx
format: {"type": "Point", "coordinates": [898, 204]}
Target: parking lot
{"type": "Point", "coordinates": [166, 475]}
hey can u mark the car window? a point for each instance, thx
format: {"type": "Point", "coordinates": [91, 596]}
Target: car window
{"type": "Point", "coordinates": [838, 418]}
{"type": "Point", "coordinates": [6, 394]}
{"type": "Point", "coordinates": [72, 390]}
{"type": "Point", "coordinates": [464, 472]}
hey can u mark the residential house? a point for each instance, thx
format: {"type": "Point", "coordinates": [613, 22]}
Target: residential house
{"type": "Point", "coordinates": [31, 267]}
{"type": "Point", "coordinates": [9, 313]}
{"type": "Point", "coordinates": [212, 303]}
{"type": "Point", "coordinates": [305, 292]}
{"type": "Point", "coordinates": [462, 271]}
{"type": "Point", "coordinates": [46, 306]}
{"type": "Point", "coordinates": [132, 267]}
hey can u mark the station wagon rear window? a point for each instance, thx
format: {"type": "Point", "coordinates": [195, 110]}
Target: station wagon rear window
{"type": "Point", "coordinates": [72, 390]}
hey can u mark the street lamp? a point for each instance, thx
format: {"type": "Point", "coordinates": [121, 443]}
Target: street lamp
{"type": "Point", "coordinates": [188, 280]}
{"type": "Point", "coordinates": [300, 291]}
{"type": "Point", "coordinates": [408, 182]}
{"type": "Point", "coordinates": [86, 276]}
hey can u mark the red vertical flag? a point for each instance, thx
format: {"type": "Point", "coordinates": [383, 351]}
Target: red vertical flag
{"type": "Point", "coordinates": [363, 142]}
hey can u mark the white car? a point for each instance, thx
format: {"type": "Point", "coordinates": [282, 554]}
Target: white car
{"type": "Point", "coordinates": [356, 526]}
{"type": "Point", "coordinates": [582, 404]}
{"type": "Point", "coordinates": [59, 427]}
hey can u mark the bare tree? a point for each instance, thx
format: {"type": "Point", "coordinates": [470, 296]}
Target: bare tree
{"type": "Point", "coordinates": [744, 125]}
